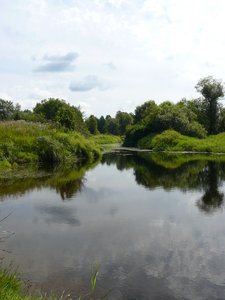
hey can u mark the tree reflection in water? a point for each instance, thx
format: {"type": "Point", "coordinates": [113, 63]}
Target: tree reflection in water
{"type": "Point", "coordinates": [66, 181]}
{"type": "Point", "coordinates": [196, 172]}
{"type": "Point", "coordinates": [186, 172]}
{"type": "Point", "coordinates": [212, 198]}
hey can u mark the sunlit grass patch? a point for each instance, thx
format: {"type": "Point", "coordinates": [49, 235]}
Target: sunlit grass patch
{"type": "Point", "coordinates": [171, 140]}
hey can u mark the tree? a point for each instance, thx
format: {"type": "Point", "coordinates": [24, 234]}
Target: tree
{"type": "Point", "coordinates": [123, 119]}
{"type": "Point", "coordinates": [6, 109]}
{"type": "Point", "coordinates": [66, 118]}
{"type": "Point", "coordinates": [111, 125]}
{"type": "Point", "coordinates": [143, 110]}
{"type": "Point", "coordinates": [92, 124]}
{"type": "Point", "coordinates": [49, 108]}
{"type": "Point", "coordinates": [56, 110]}
{"type": "Point", "coordinates": [212, 90]}
{"type": "Point", "coordinates": [101, 124]}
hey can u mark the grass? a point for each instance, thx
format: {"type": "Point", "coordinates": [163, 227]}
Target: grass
{"type": "Point", "coordinates": [22, 142]}
{"type": "Point", "coordinates": [11, 287]}
{"type": "Point", "coordinates": [171, 140]}
{"type": "Point", "coordinates": [101, 139]}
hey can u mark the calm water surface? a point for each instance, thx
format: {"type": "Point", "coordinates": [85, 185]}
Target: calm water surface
{"type": "Point", "coordinates": [155, 223]}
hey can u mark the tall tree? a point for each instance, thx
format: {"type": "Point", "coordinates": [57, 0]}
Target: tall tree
{"type": "Point", "coordinates": [212, 90]}
{"type": "Point", "coordinates": [92, 124]}
{"type": "Point", "coordinates": [123, 119]}
{"type": "Point", "coordinates": [101, 124]}
{"type": "Point", "coordinates": [49, 108]}
{"type": "Point", "coordinates": [143, 110]}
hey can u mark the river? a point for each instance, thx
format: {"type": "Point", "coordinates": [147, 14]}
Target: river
{"type": "Point", "coordinates": [154, 222]}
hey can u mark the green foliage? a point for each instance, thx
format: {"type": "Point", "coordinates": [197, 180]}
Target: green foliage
{"type": "Point", "coordinates": [101, 124]}
{"type": "Point", "coordinates": [177, 117]}
{"type": "Point", "coordinates": [144, 110]}
{"type": "Point", "coordinates": [222, 120]}
{"type": "Point", "coordinates": [7, 109]}
{"type": "Point", "coordinates": [165, 141]}
{"type": "Point", "coordinates": [111, 125]}
{"type": "Point", "coordinates": [65, 117]}
{"type": "Point", "coordinates": [123, 120]}
{"type": "Point", "coordinates": [29, 142]}
{"type": "Point", "coordinates": [11, 288]}
{"type": "Point", "coordinates": [5, 165]}
{"type": "Point", "coordinates": [167, 115]}
{"type": "Point", "coordinates": [192, 118]}
{"type": "Point", "coordinates": [94, 274]}
{"type": "Point", "coordinates": [133, 134]}
{"type": "Point", "coordinates": [49, 108]}
{"type": "Point", "coordinates": [62, 113]}
{"type": "Point", "coordinates": [146, 141]}
{"type": "Point", "coordinates": [92, 124]}
{"type": "Point", "coordinates": [171, 140]}
{"type": "Point", "coordinates": [7, 150]}
{"type": "Point", "coordinates": [48, 149]}
{"type": "Point", "coordinates": [212, 90]}
{"type": "Point", "coordinates": [106, 139]}
{"type": "Point", "coordinates": [114, 126]}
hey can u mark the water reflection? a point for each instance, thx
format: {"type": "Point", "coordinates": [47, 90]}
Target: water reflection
{"type": "Point", "coordinates": [65, 181]}
{"type": "Point", "coordinates": [186, 172]}
{"type": "Point", "coordinates": [212, 198]}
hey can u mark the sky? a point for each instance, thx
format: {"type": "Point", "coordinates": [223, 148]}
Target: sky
{"type": "Point", "coordinates": [109, 55]}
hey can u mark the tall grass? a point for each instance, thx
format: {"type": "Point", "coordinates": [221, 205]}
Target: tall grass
{"type": "Point", "coordinates": [22, 142]}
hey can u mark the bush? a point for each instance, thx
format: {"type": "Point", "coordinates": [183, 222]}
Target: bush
{"type": "Point", "coordinates": [166, 140]}
{"type": "Point", "coordinates": [133, 134]}
{"type": "Point", "coordinates": [4, 165]}
{"type": "Point", "coordinates": [7, 151]}
{"type": "Point", "coordinates": [48, 150]}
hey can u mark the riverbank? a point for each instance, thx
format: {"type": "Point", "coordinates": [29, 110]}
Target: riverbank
{"type": "Point", "coordinates": [171, 140]}
{"type": "Point", "coordinates": [22, 142]}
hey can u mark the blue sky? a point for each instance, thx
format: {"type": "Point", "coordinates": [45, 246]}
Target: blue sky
{"type": "Point", "coordinates": [108, 55]}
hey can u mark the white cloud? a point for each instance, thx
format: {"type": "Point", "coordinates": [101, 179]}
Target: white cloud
{"type": "Point", "coordinates": [88, 83]}
{"type": "Point", "coordinates": [57, 63]}
{"type": "Point", "coordinates": [160, 49]}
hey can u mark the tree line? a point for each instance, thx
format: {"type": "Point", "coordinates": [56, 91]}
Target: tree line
{"type": "Point", "coordinates": [66, 116]}
{"type": "Point", "coordinates": [197, 117]}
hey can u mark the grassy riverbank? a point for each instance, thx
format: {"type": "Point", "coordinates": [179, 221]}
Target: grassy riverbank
{"type": "Point", "coordinates": [171, 140]}
{"type": "Point", "coordinates": [11, 287]}
{"type": "Point", "coordinates": [22, 142]}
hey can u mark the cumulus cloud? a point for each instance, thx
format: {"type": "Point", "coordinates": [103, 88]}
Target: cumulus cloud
{"type": "Point", "coordinates": [88, 83]}
{"type": "Point", "coordinates": [57, 63]}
